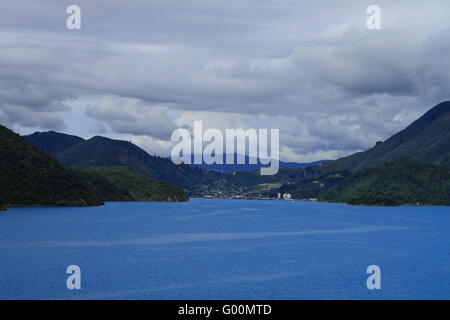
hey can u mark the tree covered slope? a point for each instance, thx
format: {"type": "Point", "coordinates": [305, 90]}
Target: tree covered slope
{"type": "Point", "coordinates": [104, 152]}
{"type": "Point", "coordinates": [125, 184]}
{"type": "Point", "coordinates": [427, 139]}
{"type": "Point", "coordinates": [30, 177]}
{"type": "Point", "coordinates": [404, 181]}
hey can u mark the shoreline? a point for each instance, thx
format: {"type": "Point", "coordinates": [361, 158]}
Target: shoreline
{"type": "Point", "coordinates": [5, 206]}
{"type": "Point", "coordinates": [323, 201]}
{"type": "Point", "coordinates": [48, 205]}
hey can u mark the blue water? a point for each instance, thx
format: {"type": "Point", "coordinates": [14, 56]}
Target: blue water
{"type": "Point", "coordinates": [225, 249]}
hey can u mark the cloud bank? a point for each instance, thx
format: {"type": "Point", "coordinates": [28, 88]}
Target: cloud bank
{"type": "Point", "coordinates": [139, 70]}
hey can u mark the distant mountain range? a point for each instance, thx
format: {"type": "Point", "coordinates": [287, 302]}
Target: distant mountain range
{"type": "Point", "coordinates": [99, 151]}
{"type": "Point", "coordinates": [410, 167]}
{"type": "Point", "coordinates": [247, 166]}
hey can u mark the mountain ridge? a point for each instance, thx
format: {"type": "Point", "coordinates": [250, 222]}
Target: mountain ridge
{"type": "Point", "coordinates": [426, 139]}
{"type": "Point", "coordinates": [52, 142]}
{"type": "Point", "coordinates": [105, 152]}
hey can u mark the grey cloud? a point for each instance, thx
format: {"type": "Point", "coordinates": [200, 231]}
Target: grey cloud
{"type": "Point", "coordinates": [434, 65]}
{"type": "Point", "coordinates": [131, 116]}
{"type": "Point", "coordinates": [14, 115]}
{"type": "Point", "coordinates": [310, 68]}
{"type": "Point", "coordinates": [98, 128]}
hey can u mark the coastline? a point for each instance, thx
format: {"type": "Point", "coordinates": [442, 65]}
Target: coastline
{"type": "Point", "coordinates": [48, 205]}
{"type": "Point", "coordinates": [3, 208]}
{"type": "Point", "coordinates": [381, 204]}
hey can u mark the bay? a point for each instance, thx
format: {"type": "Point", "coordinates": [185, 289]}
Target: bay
{"type": "Point", "coordinates": [225, 249]}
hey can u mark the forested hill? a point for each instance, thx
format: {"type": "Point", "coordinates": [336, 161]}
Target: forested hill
{"type": "Point", "coordinates": [104, 152]}
{"type": "Point", "coordinates": [52, 142]}
{"type": "Point", "coordinates": [427, 139]}
{"type": "Point", "coordinates": [125, 184]}
{"type": "Point", "coordinates": [30, 177]}
{"type": "Point", "coordinates": [404, 181]}
{"type": "Point", "coordinates": [411, 167]}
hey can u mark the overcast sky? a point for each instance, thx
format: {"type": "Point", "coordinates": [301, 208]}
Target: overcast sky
{"type": "Point", "coordinates": [139, 69]}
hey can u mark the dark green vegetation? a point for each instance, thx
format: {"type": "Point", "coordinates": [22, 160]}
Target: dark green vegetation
{"type": "Point", "coordinates": [311, 188]}
{"type": "Point", "coordinates": [404, 181]}
{"type": "Point", "coordinates": [125, 184]}
{"type": "Point", "coordinates": [104, 152]}
{"type": "Point", "coordinates": [29, 177]}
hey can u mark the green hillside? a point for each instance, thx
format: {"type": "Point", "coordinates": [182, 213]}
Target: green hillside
{"type": "Point", "coordinates": [104, 152]}
{"type": "Point", "coordinates": [29, 177]}
{"type": "Point", "coordinates": [387, 173]}
{"type": "Point", "coordinates": [124, 184]}
{"type": "Point", "coordinates": [404, 181]}
{"type": "Point", "coordinates": [427, 139]}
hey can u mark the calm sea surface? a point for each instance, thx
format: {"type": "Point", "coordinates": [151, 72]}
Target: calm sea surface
{"type": "Point", "coordinates": [225, 249]}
